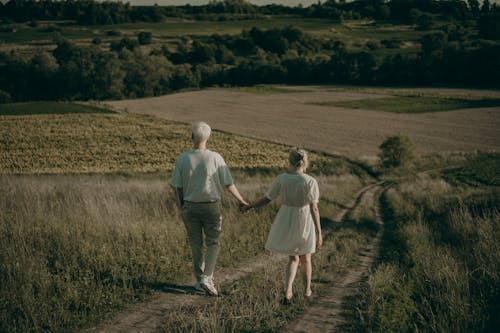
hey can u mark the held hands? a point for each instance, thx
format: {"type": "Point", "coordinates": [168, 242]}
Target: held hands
{"type": "Point", "coordinates": [245, 207]}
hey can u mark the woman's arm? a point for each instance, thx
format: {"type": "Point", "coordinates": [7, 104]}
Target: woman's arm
{"type": "Point", "coordinates": [315, 214]}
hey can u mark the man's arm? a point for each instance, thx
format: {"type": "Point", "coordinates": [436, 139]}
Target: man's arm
{"type": "Point", "coordinates": [180, 196]}
{"type": "Point", "coordinates": [236, 194]}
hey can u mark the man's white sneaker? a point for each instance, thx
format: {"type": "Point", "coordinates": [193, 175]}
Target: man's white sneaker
{"type": "Point", "coordinates": [208, 285]}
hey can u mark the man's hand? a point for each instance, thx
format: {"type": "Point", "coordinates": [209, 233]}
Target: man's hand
{"type": "Point", "coordinates": [245, 207]}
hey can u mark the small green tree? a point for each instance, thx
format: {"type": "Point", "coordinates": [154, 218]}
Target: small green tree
{"type": "Point", "coordinates": [396, 151]}
{"type": "Point", "coordinates": [144, 37]}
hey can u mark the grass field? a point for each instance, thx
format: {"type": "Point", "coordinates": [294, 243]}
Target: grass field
{"type": "Point", "coordinates": [76, 248]}
{"type": "Point", "coordinates": [103, 231]}
{"type": "Point", "coordinates": [415, 104]}
{"type": "Point", "coordinates": [440, 264]}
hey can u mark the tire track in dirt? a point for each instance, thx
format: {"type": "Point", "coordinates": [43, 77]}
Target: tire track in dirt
{"type": "Point", "coordinates": [326, 312]}
{"type": "Point", "coordinates": [147, 316]}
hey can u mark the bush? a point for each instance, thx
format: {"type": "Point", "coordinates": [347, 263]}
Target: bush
{"type": "Point", "coordinates": [4, 97]}
{"type": "Point", "coordinates": [144, 37]}
{"type": "Point", "coordinates": [396, 151]}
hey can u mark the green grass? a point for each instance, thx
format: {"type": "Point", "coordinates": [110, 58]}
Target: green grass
{"type": "Point", "coordinates": [414, 104]}
{"type": "Point", "coordinates": [36, 108]}
{"type": "Point", "coordinates": [478, 171]}
{"type": "Point", "coordinates": [440, 260]}
{"type": "Point", "coordinates": [266, 89]}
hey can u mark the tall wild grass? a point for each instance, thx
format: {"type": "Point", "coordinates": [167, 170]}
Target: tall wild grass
{"type": "Point", "coordinates": [441, 264]}
{"type": "Point", "coordinates": [74, 249]}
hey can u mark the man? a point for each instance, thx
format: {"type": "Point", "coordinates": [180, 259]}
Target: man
{"type": "Point", "coordinates": [199, 177]}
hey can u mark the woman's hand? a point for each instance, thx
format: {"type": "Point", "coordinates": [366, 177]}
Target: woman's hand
{"type": "Point", "coordinates": [319, 240]}
{"type": "Point", "coordinates": [245, 207]}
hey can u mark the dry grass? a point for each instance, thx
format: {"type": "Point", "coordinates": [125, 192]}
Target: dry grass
{"type": "Point", "coordinates": [441, 261]}
{"type": "Point", "coordinates": [102, 143]}
{"type": "Point", "coordinates": [75, 248]}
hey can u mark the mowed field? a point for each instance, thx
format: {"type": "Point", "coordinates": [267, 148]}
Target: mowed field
{"type": "Point", "coordinates": [294, 117]}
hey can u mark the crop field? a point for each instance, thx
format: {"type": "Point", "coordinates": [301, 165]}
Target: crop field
{"type": "Point", "coordinates": [293, 118]}
{"type": "Point", "coordinates": [91, 141]}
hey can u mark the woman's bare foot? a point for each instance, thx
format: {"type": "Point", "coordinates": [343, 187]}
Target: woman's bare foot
{"type": "Point", "coordinates": [287, 298]}
{"type": "Point", "coordinates": [308, 293]}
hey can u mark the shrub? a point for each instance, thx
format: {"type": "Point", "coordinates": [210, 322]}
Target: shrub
{"type": "Point", "coordinates": [4, 97]}
{"type": "Point", "coordinates": [144, 37]}
{"type": "Point", "coordinates": [396, 151]}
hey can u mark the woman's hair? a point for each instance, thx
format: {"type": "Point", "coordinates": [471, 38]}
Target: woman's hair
{"type": "Point", "coordinates": [298, 158]}
{"type": "Point", "coordinates": [201, 131]}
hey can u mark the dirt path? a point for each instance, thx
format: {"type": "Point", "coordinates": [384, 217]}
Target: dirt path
{"type": "Point", "coordinates": [147, 316]}
{"type": "Point", "coordinates": [326, 313]}
{"type": "Point", "coordinates": [294, 119]}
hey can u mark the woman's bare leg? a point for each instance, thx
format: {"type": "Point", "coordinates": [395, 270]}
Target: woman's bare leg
{"type": "Point", "coordinates": [306, 270]}
{"type": "Point", "coordinates": [291, 271]}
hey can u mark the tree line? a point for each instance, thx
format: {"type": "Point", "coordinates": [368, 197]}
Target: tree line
{"type": "Point", "coordinates": [90, 12]}
{"type": "Point", "coordinates": [255, 56]}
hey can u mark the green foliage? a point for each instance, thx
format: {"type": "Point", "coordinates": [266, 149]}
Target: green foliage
{"type": "Point", "coordinates": [144, 37]}
{"type": "Point", "coordinates": [424, 22]}
{"type": "Point", "coordinates": [479, 171]}
{"type": "Point", "coordinates": [415, 104]}
{"type": "Point", "coordinates": [4, 97]}
{"type": "Point", "coordinates": [396, 151]}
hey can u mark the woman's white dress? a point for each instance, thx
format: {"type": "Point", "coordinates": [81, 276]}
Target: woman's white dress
{"type": "Point", "coordinates": [293, 231]}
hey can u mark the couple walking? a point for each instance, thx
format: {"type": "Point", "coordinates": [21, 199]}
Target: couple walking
{"type": "Point", "coordinates": [199, 177]}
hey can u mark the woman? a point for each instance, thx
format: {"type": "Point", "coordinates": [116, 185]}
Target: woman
{"type": "Point", "coordinates": [296, 230]}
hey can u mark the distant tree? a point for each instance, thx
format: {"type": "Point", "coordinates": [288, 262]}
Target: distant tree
{"type": "Point", "coordinates": [124, 43]}
{"type": "Point", "coordinates": [202, 53]}
{"type": "Point", "coordinates": [44, 69]}
{"type": "Point", "coordinates": [4, 97]}
{"type": "Point", "coordinates": [473, 6]}
{"type": "Point", "coordinates": [144, 37]}
{"type": "Point", "coordinates": [424, 21]}
{"type": "Point", "coordinates": [435, 41]}
{"type": "Point", "coordinates": [396, 151]}
{"type": "Point", "coordinates": [489, 25]}
{"type": "Point", "coordinates": [486, 7]}
{"type": "Point", "coordinates": [223, 55]}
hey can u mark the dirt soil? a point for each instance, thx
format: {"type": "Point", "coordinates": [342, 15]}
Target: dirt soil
{"type": "Point", "coordinates": [290, 119]}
